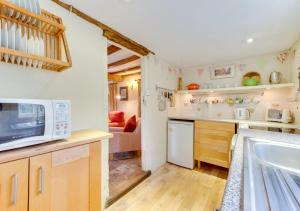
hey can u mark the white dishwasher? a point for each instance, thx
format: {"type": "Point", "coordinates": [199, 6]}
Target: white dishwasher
{"type": "Point", "coordinates": [181, 143]}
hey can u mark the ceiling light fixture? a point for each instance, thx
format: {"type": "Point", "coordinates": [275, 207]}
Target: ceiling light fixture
{"type": "Point", "coordinates": [250, 40]}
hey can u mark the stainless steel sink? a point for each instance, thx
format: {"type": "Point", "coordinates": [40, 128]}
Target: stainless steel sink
{"type": "Point", "coordinates": [271, 175]}
{"type": "Point", "coordinates": [280, 155]}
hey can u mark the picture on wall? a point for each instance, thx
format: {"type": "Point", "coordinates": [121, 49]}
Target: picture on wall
{"type": "Point", "coordinates": [124, 93]}
{"type": "Point", "coordinates": [225, 71]}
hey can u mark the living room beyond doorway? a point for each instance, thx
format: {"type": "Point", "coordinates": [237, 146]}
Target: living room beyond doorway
{"type": "Point", "coordinates": [125, 148]}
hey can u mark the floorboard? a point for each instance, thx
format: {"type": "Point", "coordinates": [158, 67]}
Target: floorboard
{"type": "Point", "coordinates": [176, 188]}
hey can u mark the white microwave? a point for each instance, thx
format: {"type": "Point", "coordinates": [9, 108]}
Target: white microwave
{"type": "Point", "coordinates": [29, 122]}
{"type": "Point", "coordinates": [278, 115]}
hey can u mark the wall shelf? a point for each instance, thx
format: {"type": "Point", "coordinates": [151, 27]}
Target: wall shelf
{"type": "Point", "coordinates": [237, 90]}
{"type": "Point", "coordinates": [47, 27]}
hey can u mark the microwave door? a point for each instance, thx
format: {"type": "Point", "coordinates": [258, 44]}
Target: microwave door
{"type": "Point", "coordinates": [274, 115]}
{"type": "Point", "coordinates": [20, 121]}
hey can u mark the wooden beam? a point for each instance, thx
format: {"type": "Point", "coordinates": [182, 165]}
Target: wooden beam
{"type": "Point", "coordinates": [130, 73]}
{"type": "Point", "coordinates": [126, 42]}
{"type": "Point", "coordinates": [120, 78]}
{"type": "Point", "coordinates": [126, 70]}
{"type": "Point", "coordinates": [108, 32]}
{"type": "Point", "coordinates": [112, 49]}
{"type": "Point", "coordinates": [123, 61]}
{"type": "Point", "coordinates": [116, 78]}
{"type": "Point", "coordinates": [124, 76]}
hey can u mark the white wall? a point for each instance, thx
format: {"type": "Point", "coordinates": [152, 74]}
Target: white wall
{"type": "Point", "coordinates": [263, 64]}
{"type": "Point", "coordinates": [295, 79]}
{"type": "Point", "coordinates": [154, 122]}
{"type": "Point", "coordinates": [279, 98]}
{"type": "Point", "coordinates": [85, 84]}
{"type": "Point", "coordinates": [130, 106]}
{"type": "Point", "coordinates": [296, 62]}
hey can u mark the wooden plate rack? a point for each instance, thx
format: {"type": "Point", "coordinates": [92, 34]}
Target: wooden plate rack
{"type": "Point", "coordinates": [52, 31]}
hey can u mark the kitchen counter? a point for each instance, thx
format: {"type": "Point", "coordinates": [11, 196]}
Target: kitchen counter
{"type": "Point", "coordinates": [233, 195]}
{"type": "Point", "coordinates": [242, 122]}
{"type": "Point", "coordinates": [77, 138]}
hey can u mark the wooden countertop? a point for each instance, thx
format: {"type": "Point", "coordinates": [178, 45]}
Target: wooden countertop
{"type": "Point", "coordinates": [77, 138]}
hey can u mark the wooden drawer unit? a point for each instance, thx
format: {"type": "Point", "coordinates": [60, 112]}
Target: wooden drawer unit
{"type": "Point", "coordinates": [66, 179]}
{"type": "Point", "coordinates": [63, 180]}
{"type": "Point", "coordinates": [56, 176]}
{"type": "Point", "coordinates": [212, 142]}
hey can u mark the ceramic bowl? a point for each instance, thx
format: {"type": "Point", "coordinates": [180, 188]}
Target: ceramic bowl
{"type": "Point", "coordinates": [193, 86]}
{"type": "Point", "coordinates": [250, 82]}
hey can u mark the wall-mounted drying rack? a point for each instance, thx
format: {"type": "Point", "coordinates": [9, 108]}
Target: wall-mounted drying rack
{"type": "Point", "coordinates": [33, 39]}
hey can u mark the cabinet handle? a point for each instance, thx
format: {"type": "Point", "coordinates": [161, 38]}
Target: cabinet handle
{"type": "Point", "coordinates": [42, 179]}
{"type": "Point", "coordinates": [15, 191]}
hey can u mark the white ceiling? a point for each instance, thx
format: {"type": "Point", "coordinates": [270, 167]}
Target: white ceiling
{"type": "Point", "coordinates": [194, 32]}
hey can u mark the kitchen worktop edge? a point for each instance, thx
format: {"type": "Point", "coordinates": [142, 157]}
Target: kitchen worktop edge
{"type": "Point", "coordinates": [257, 123]}
{"type": "Point", "coordinates": [77, 138]}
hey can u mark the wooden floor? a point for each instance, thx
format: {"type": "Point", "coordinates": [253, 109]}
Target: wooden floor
{"type": "Point", "coordinates": [175, 188]}
{"type": "Point", "coordinates": [123, 174]}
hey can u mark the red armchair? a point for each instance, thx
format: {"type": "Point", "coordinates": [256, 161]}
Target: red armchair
{"type": "Point", "coordinates": [116, 119]}
{"type": "Point", "coordinates": [125, 141]}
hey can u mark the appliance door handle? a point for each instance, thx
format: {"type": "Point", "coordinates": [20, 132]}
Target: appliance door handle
{"type": "Point", "coordinates": [42, 180]}
{"type": "Point", "coordinates": [15, 189]}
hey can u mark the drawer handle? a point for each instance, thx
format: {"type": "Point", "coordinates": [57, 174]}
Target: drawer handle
{"type": "Point", "coordinates": [15, 189]}
{"type": "Point", "coordinates": [42, 180]}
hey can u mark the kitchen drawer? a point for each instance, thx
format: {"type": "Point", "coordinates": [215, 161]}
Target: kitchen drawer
{"type": "Point", "coordinates": [214, 139]}
{"type": "Point", "coordinates": [211, 156]}
{"type": "Point", "coordinates": [214, 157]}
{"type": "Point", "coordinates": [224, 126]}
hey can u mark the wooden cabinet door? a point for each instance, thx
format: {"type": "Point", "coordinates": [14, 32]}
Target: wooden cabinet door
{"type": "Point", "coordinates": [215, 146]}
{"type": "Point", "coordinates": [70, 179]}
{"type": "Point", "coordinates": [14, 186]}
{"type": "Point", "coordinates": [212, 142]}
{"type": "Point", "coordinates": [40, 183]}
{"type": "Point", "coordinates": [59, 181]}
